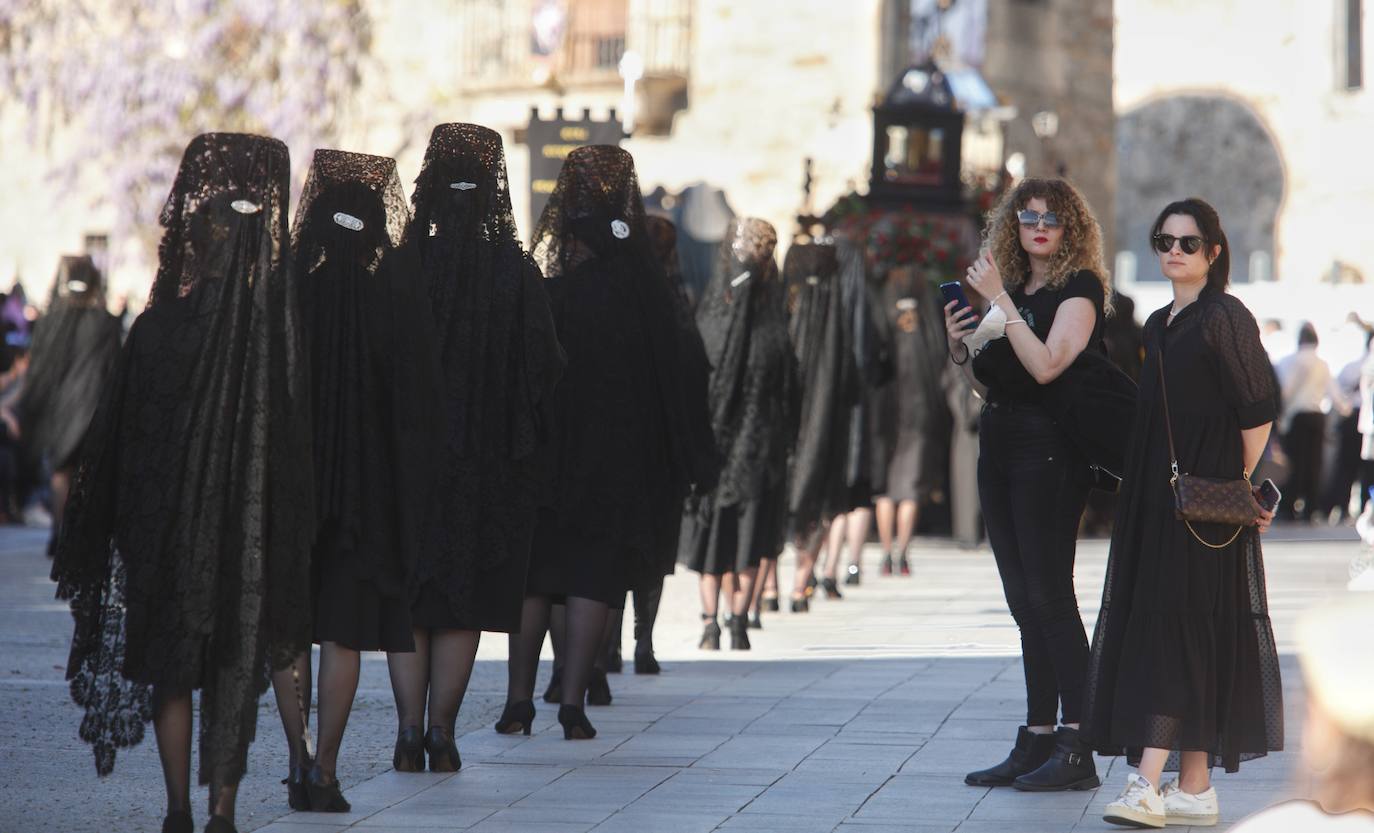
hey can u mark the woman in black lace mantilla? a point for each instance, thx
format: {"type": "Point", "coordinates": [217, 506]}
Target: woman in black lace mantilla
{"type": "Point", "coordinates": [185, 554]}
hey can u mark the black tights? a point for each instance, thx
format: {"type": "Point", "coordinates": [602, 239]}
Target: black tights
{"type": "Point", "coordinates": [646, 601]}
{"type": "Point", "coordinates": [1033, 487]}
{"type": "Point", "coordinates": [172, 726]}
{"type": "Point", "coordinates": [585, 631]}
{"type": "Point", "coordinates": [438, 671]}
{"type": "Point", "coordinates": [339, 669]}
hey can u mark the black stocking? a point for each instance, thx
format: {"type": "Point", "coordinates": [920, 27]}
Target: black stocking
{"type": "Point", "coordinates": [525, 647]}
{"type": "Point", "coordinates": [646, 613]}
{"type": "Point", "coordinates": [339, 667]}
{"type": "Point", "coordinates": [586, 632]}
{"type": "Point", "coordinates": [172, 725]}
{"type": "Point", "coordinates": [410, 682]}
{"type": "Point", "coordinates": [451, 656]}
{"type": "Point", "coordinates": [610, 649]}
{"type": "Point", "coordinates": [294, 711]}
{"type": "Point", "coordinates": [222, 797]}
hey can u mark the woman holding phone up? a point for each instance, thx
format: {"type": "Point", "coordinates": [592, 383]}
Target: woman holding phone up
{"type": "Point", "coordinates": [1047, 285]}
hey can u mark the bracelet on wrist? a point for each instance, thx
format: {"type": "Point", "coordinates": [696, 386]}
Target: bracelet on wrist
{"type": "Point", "coordinates": [998, 295]}
{"type": "Point", "coordinates": [1016, 321]}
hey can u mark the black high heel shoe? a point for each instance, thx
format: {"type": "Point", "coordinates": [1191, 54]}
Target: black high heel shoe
{"type": "Point", "coordinates": [179, 822]}
{"type": "Point", "coordinates": [296, 796]}
{"type": "Point", "coordinates": [219, 824]}
{"type": "Point", "coordinates": [852, 575]}
{"type": "Point", "coordinates": [770, 603]}
{"type": "Point", "coordinates": [739, 633]}
{"type": "Point", "coordinates": [410, 750]}
{"type": "Point", "coordinates": [832, 590]}
{"type": "Point", "coordinates": [756, 622]}
{"type": "Point", "coordinates": [575, 723]}
{"type": "Point", "coordinates": [554, 693]}
{"type": "Point", "coordinates": [516, 717]}
{"type": "Point", "coordinates": [886, 567]}
{"type": "Point", "coordinates": [599, 689]}
{"type": "Point", "coordinates": [811, 585]}
{"type": "Point", "coordinates": [325, 796]}
{"type": "Point", "coordinates": [802, 605]}
{"type": "Point", "coordinates": [443, 753]}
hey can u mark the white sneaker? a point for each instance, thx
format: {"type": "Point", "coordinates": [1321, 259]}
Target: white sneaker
{"type": "Point", "coordinates": [1139, 805]}
{"type": "Point", "coordinates": [1183, 809]}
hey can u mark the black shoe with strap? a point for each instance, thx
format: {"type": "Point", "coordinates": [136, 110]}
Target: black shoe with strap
{"type": "Point", "coordinates": [296, 796]}
{"type": "Point", "coordinates": [1030, 752]}
{"type": "Point", "coordinates": [1070, 767]}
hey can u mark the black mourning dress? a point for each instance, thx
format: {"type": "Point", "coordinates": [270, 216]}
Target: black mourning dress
{"type": "Point", "coordinates": [1183, 657]}
{"type": "Point", "coordinates": [696, 369]}
{"type": "Point", "coordinates": [754, 402]}
{"type": "Point", "coordinates": [619, 445]}
{"type": "Point", "coordinates": [186, 548]}
{"type": "Point", "coordinates": [74, 349]}
{"type": "Point", "coordinates": [500, 360]}
{"type": "Point", "coordinates": [907, 410]}
{"type": "Point", "coordinates": [820, 335]}
{"type": "Point", "coordinates": [374, 390]}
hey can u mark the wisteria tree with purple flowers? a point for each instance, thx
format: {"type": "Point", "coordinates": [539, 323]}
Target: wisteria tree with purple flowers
{"type": "Point", "coordinates": [129, 83]}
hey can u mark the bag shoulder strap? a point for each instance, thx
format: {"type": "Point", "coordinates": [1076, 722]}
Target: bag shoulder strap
{"type": "Point", "coordinates": [1168, 423]}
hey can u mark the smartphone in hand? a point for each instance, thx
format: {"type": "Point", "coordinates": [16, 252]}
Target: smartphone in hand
{"type": "Point", "coordinates": [1268, 495]}
{"type": "Point", "coordinates": [954, 291]}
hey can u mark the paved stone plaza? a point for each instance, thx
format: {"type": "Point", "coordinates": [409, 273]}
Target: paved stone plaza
{"type": "Point", "coordinates": [861, 716]}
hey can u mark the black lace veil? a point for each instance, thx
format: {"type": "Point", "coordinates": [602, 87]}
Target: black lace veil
{"type": "Point", "coordinates": [73, 351]}
{"type": "Point", "coordinates": [185, 553]}
{"type": "Point", "coordinates": [825, 356]}
{"type": "Point", "coordinates": [743, 324]}
{"type": "Point", "coordinates": [499, 356]}
{"type": "Point", "coordinates": [374, 376]}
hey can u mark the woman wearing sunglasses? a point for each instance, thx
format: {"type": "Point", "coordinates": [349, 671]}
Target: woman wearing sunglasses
{"type": "Point", "coordinates": [1048, 290]}
{"type": "Point", "coordinates": [1183, 672]}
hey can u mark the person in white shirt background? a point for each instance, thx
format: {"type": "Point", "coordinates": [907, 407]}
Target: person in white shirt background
{"type": "Point", "coordinates": [1306, 393]}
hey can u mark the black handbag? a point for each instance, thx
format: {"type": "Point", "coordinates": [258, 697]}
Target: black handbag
{"type": "Point", "coordinates": [1207, 499]}
{"type": "Point", "coordinates": [1093, 401]}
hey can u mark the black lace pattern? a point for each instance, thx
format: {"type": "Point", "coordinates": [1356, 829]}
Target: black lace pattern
{"type": "Point", "coordinates": [499, 359]}
{"type": "Point", "coordinates": [185, 554]}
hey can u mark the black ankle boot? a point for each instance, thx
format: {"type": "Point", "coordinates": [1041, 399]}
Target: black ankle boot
{"type": "Point", "coordinates": [443, 752]}
{"type": "Point", "coordinates": [325, 795]}
{"type": "Point", "coordinates": [1030, 752]}
{"type": "Point", "coordinates": [598, 689]}
{"type": "Point", "coordinates": [739, 633]}
{"type": "Point", "coordinates": [1071, 767]}
{"type": "Point", "coordinates": [179, 822]}
{"type": "Point", "coordinates": [645, 662]}
{"type": "Point", "coordinates": [409, 755]}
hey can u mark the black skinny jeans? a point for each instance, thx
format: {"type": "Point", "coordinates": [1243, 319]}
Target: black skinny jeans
{"type": "Point", "coordinates": [1033, 487]}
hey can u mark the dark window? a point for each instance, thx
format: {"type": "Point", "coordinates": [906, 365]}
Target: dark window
{"type": "Point", "coordinates": [1352, 73]}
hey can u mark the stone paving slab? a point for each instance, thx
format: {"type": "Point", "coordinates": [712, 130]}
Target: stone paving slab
{"type": "Point", "coordinates": [861, 716]}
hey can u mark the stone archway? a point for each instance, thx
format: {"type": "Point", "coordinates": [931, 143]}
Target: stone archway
{"type": "Point", "coordinates": [1197, 145]}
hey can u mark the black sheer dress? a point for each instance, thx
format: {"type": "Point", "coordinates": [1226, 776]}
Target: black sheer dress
{"type": "Point", "coordinates": [1184, 657]}
{"type": "Point", "coordinates": [500, 360]}
{"type": "Point", "coordinates": [619, 441]}
{"type": "Point", "coordinates": [374, 389]}
{"type": "Point", "coordinates": [74, 350]}
{"type": "Point", "coordinates": [754, 400]}
{"type": "Point", "coordinates": [186, 551]}
{"type": "Point", "coordinates": [821, 340]}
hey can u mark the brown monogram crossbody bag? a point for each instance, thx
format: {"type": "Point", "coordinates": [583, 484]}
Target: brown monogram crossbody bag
{"type": "Point", "coordinates": [1207, 499]}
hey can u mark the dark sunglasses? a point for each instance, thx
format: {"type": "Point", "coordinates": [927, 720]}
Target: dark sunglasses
{"type": "Point", "coordinates": [1189, 243]}
{"type": "Point", "coordinates": [1031, 219]}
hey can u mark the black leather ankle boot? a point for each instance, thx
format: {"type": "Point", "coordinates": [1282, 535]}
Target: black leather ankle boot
{"type": "Point", "coordinates": [1030, 752]}
{"type": "Point", "coordinates": [1071, 767]}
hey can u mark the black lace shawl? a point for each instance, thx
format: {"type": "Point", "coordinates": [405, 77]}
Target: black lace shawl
{"type": "Point", "coordinates": [754, 394]}
{"type": "Point", "coordinates": [620, 439]}
{"type": "Point", "coordinates": [829, 380]}
{"type": "Point", "coordinates": [499, 361]}
{"type": "Point", "coordinates": [185, 552]}
{"type": "Point", "coordinates": [74, 349]}
{"type": "Point", "coordinates": [374, 380]}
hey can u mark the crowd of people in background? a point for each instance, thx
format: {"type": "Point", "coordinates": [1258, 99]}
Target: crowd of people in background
{"type": "Point", "coordinates": [394, 411]}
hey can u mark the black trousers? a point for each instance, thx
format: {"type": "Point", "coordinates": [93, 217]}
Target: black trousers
{"type": "Point", "coordinates": [1303, 444]}
{"type": "Point", "coordinates": [1033, 487]}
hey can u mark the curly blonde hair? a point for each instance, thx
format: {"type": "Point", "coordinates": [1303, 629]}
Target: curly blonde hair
{"type": "Point", "coordinates": [1081, 248]}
